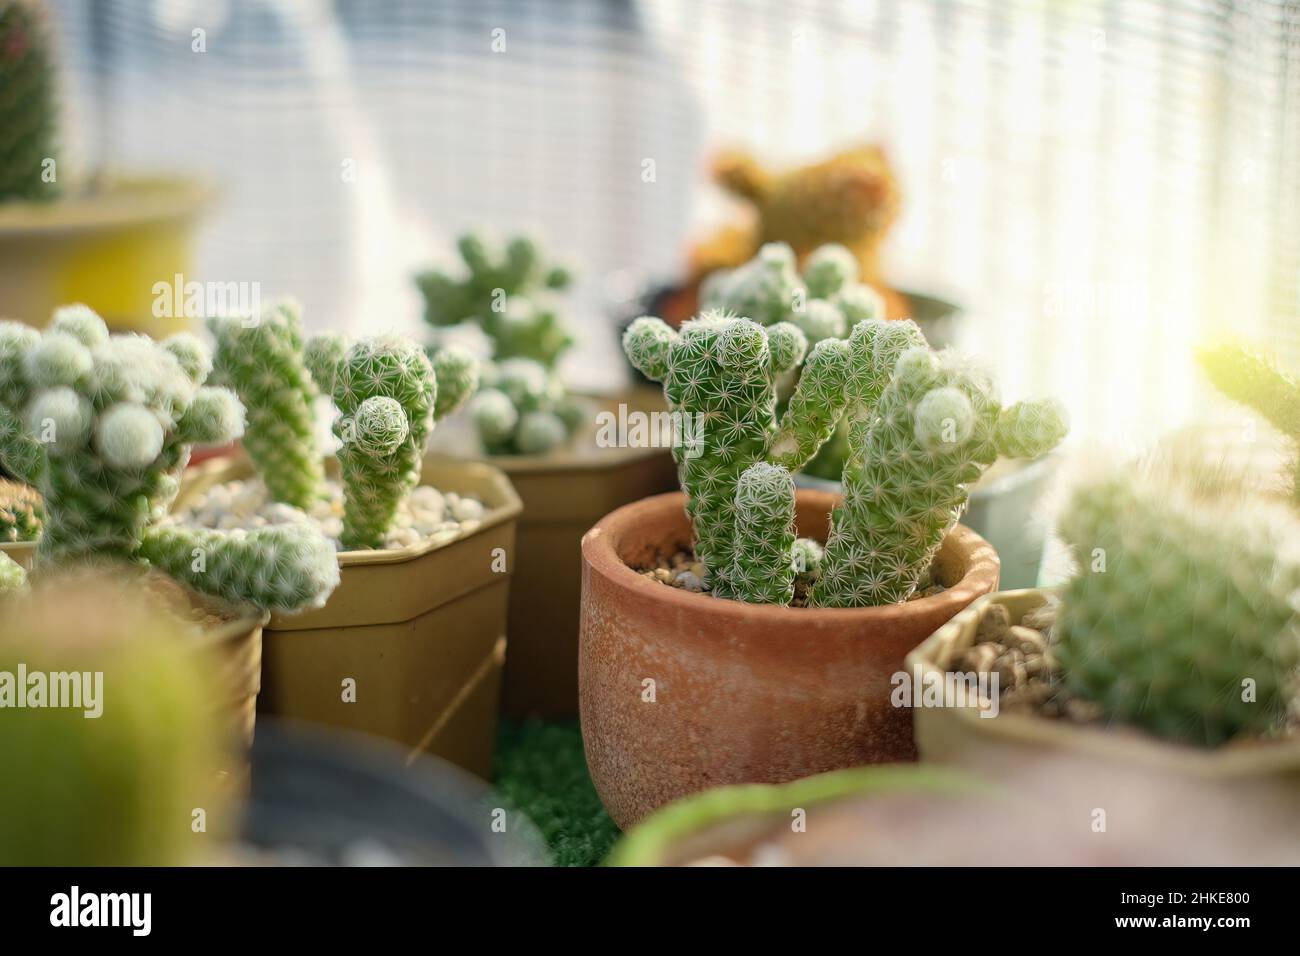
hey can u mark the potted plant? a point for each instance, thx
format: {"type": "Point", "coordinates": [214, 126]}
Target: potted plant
{"type": "Point", "coordinates": [410, 645]}
{"type": "Point", "coordinates": [568, 455]}
{"type": "Point", "coordinates": [1173, 649]}
{"type": "Point", "coordinates": [105, 241]}
{"type": "Point", "coordinates": [102, 427]}
{"type": "Point", "coordinates": [681, 691]}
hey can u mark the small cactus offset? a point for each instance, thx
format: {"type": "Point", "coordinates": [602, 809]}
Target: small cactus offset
{"type": "Point", "coordinates": [261, 359]}
{"type": "Point", "coordinates": [29, 108]}
{"type": "Point", "coordinates": [388, 399]}
{"type": "Point", "coordinates": [510, 294]}
{"type": "Point", "coordinates": [21, 512]}
{"type": "Point", "coordinates": [934, 430]}
{"type": "Point", "coordinates": [1256, 381]}
{"type": "Point", "coordinates": [102, 427]}
{"type": "Point", "coordinates": [12, 576]}
{"type": "Point", "coordinates": [1182, 618]}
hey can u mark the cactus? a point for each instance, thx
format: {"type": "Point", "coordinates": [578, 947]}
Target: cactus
{"type": "Point", "coordinates": [120, 788]}
{"type": "Point", "coordinates": [21, 512]}
{"type": "Point", "coordinates": [922, 427]}
{"type": "Point", "coordinates": [823, 302]}
{"type": "Point", "coordinates": [850, 199]}
{"type": "Point", "coordinates": [915, 453]}
{"type": "Point", "coordinates": [1256, 381]}
{"type": "Point", "coordinates": [510, 294]}
{"type": "Point", "coordinates": [261, 359]}
{"type": "Point", "coordinates": [28, 104]}
{"type": "Point", "coordinates": [388, 399]}
{"type": "Point", "coordinates": [1182, 619]}
{"type": "Point", "coordinates": [723, 372]}
{"type": "Point", "coordinates": [102, 427]}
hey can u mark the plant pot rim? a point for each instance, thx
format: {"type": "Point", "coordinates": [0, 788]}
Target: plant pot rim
{"type": "Point", "coordinates": [600, 551]}
{"type": "Point", "coordinates": [122, 200]}
{"type": "Point", "coordinates": [1124, 743]}
{"type": "Point", "coordinates": [506, 507]}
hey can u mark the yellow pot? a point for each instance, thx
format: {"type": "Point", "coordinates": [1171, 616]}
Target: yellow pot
{"type": "Point", "coordinates": [107, 248]}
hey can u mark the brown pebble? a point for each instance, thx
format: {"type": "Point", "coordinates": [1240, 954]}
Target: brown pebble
{"type": "Point", "coordinates": [980, 658]}
{"type": "Point", "coordinates": [664, 575]}
{"type": "Point", "coordinates": [1041, 618]}
{"type": "Point", "coordinates": [1025, 639]}
{"type": "Point", "coordinates": [993, 623]}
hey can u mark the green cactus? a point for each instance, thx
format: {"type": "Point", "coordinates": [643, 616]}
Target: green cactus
{"type": "Point", "coordinates": [120, 788]}
{"type": "Point", "coordinates": [722, 372]}
{"type": "Point", "coordinates": [261, 359]}
{"type": "Point", "coordinates": [29, 106]}
{"type": "Point", "coordinates": [510, 294]}
{"type": "Point", "coordinates": [915, 452]}
{"type": "Point", "coordinates": [764, 564]}
{"type": "Point", "coordinates": [1182, 619]}
{"type": "Point", "coordinates": [21, 512]}
{"type": "Point", "coordinates": [387, 397]}
{"type": "Point", "coordinates": [1256, 381]}
{"type": "Point", "coordinates": [102, 427]}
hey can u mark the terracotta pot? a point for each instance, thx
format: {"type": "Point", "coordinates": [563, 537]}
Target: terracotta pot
{"type": "Point", "coordinates": [1252, 777]}
{"type": "Point", "coordinates": [742, 693]}
{"type": "Point", "coordinates": [105, 248]}
{"type": "Point", "coordinates": [421, 630]}
{"type": "Point", "coordinates": [563, 495]}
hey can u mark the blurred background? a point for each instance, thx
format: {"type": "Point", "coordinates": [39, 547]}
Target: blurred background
{"type": "Point", "coordinates": [1099, 184]}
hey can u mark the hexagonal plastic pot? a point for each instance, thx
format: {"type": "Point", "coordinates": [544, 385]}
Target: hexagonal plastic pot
{"type": "Point", "coordinates": [681, 692]}
{"type": "Point", "coordinates": [1253, 777]}
{"type": "Point", "coordinates": [564, 494]}
{"type": "Point", "coordinates": [411, 644]}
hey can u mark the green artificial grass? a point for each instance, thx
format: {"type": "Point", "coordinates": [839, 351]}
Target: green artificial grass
{"type": "Point", "coordinates": [541, 771]}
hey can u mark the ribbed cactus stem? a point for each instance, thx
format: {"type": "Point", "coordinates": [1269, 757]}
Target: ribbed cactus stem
{"type": "Point", "coordinates": [261, 358]}
{"type": "Point", "coordinates": [1256, 381]}
{"type": "Point", "coordinates": [763, 568]}
{"type": "Point", "coordinates": [1182, 618]}
{"type": "Point", "coordinates": [29, 108]}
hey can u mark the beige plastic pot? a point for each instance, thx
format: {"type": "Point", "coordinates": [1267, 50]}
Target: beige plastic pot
{"type": "Point", "coordinates": [1261, 775]}
{"type": "Point", "coordinates": [411, 644]}
{"type": "Point", "coordinates": [563, 495]}
{"type": "Point", "coordinates": [106, 248]}
{"type": "Point", "coordinates": [681, 692]}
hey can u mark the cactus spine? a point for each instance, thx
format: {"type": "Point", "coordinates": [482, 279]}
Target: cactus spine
{"type": "Point", "coordinates": [28, 104]}
{"type": "Point", "coordinates": [510, 294]}
{"type": "Point", "coordinates": [102, 426]}
{"type": "Point", "coordinates": [261, 358]}
{"type": "Point", "coordinates": [1182, 619]}
{"type": "Point", "coordinates": [1256, 381]}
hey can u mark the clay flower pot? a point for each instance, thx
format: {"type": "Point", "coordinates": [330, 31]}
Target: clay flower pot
{"type": "Point", "coordinates": [106, 248]}
{"type": "Point", "coordinates": [420, 630]}
{"type": "Point", "coordinates": [1251, 778]}
{"type": "Point", "coordinates": [681, 692]}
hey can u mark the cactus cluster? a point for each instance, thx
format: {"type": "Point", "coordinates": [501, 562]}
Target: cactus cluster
{"type": "Point", "coordinates": [1256, 381]}
{"type": "Point", "coordinates": [1182, 619]}
{"type": "Point", "coordinates": [102, 427]}
{"type": "Point", "coordinates": [922, 427]}
{"type": "Point", "coordinates": [387, 394]}
{"type": "Point", "coordinates": [510, 294]}
{"type": "Point", "coordinates": [28, 104]}
{"type": "Point", "coordinates": [119, 788]}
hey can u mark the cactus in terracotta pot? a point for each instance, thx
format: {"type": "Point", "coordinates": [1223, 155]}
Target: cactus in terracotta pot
{"type": "Point", "coordinates": [922, 427]}
{"type": "Point", "coordinates": [1182, 619]}
{"type": "Point", "coordinates": [1258, 382]}
{"type": "Point", "coordinates": [21, 512]}
{"type": "Point", "coordinates": [28, 106]}
{"type": "Point", "coordinates": [510, 294]}
{"type": "Point", "coordinates": [102, 427]}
